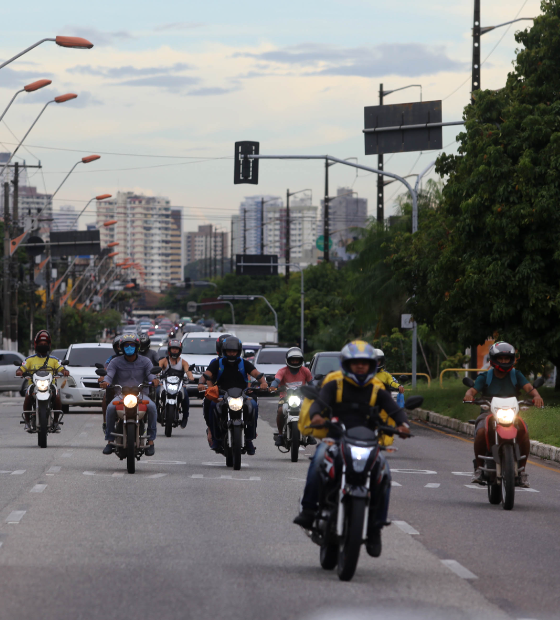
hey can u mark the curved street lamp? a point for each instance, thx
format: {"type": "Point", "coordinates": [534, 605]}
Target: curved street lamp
{"type": "Point", "coordinates": [72, 42]}
{"type": "Point", "coordinates": [30, 88]}
{"type": "Point", "coordinates": [98, 198]}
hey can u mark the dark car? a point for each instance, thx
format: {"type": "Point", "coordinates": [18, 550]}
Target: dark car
{"type": "Point", "coordinates": [323, 363]}
{"type": "Point", "coordinates": [60, 354]}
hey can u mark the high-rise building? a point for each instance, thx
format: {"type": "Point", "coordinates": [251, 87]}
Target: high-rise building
{"type": "Point", "coordinates": [251, 221]}
{"type": "Point", "coordinates": [207, 245]}
{"type": "Point", "coordinates": [143, 231]}
{"type": "Point", "coordinates": [346, 212]}
{"type": "Point", "coordinates": [176, 247]}
{"type": "Point", "coordinates": [64, 219]}
{"type": "Point", "coordinates": [35, 209]}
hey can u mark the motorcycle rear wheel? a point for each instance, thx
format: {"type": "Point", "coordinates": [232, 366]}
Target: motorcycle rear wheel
{"type": "Point", "coordinates": [131, 448]}
{"type": "Point", "coordinates": [351, 542]}
{"type": "Point", "coordinates": [43, 423]}
{"type": "Point", "coordinates": [508, 477]}
{"type": "Point", "coordinates": [169, 419]}
{"type": "Point", "coordinates": [294, 448]}
{"type": "Point", "coordinates": [237, 441]}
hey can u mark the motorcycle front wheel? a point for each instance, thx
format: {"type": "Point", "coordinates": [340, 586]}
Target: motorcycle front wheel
{"type": "Point", "coordinates": [508, 477]}
{"type": "Point", "coordinates": [131, 448]}
{"type": "Point", "coordinates": [294, 448]}
{"type": "Point", "coordinates": [328, 555]}
{"type": "Point", "coordinates": [169, 419]}
{"type": "Point", "coordinates": [236, 443]}
{"type": "Point", "coordinates": [351, 542]}
{"type": "Point", "coordinates": [43, 423]}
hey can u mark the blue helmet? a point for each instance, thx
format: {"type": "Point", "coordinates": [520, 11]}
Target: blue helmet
{"type": "Point", "coordinates": [354, 351]}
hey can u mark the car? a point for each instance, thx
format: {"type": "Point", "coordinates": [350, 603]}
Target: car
{"type": "Point", "coordinates": [269, 360]}
{"type": "Point", "coordinates": [192, 327]}
{"type": "Point", "coordinates": [322, 363]}
{"type": "Point", "coordinates": [60, 354]}
{"type": "Point", "coordinates": [185, 319]}
{"type": "Point", "coordinates": [199, 348]}
{"type": "Point", "coordinates": [157, 341]}
{"type": "Point", "coordinates": [8, 380]}
{"type": "Point", "coordinates": [81, 388]}
{"type": "Point", "coordinates": [250, 350]}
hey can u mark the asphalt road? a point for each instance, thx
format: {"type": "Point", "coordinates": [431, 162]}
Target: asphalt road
{"type": "Point", "coordinates": [187, 538]}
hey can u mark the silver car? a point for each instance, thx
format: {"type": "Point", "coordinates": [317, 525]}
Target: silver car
{"type": "Point", "coordinates": [8, 380]}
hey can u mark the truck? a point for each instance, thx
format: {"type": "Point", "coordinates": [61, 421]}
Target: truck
{"type": "Point", "coordinates": [253, 333]}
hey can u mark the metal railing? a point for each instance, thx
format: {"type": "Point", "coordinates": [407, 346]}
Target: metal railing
{"type": "Point", "coordinates": [459, 370]}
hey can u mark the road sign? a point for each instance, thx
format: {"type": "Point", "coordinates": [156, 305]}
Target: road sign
{"type": "Point", "coordinates": [407, 322]}
{"type": "Point", "coordinates": [246, 170]}
{"type": "Point", "coordinates": [191, 306]}
{"type": "Point", "coordinates": [267, 264]}
{"type": "Point", "coordinates": [321, 243]}
{"type": "Point", "coordinates": [72, 243]}
{"type": "Point", "coordinates": [406, 127]}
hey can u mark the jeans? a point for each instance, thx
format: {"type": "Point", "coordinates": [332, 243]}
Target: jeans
{"type": "Point", "coordinates": [379, 505]}
{"type": "Point", "coordinates": [250, 429]}
{"type": "Point", "coordinates": [112, 416]}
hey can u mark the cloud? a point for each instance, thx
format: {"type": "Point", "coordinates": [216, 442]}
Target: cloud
{"type": "Point", "coordinates": [84, 99]}
{"type": "Point", "coordinates": [129, 71]}
{"type": "Point", "coordinates": [406, 59]}
{"type": "Point", "coordinates": [98, 37]}
{"type": "Point", "coordinates": [171, 83]}
{"type": "Point", "coordinates": [179, 26]}
{"type": "Point", "coordinates": [210, 91]}
{"type": "Point", "coordinates": [18, 79]}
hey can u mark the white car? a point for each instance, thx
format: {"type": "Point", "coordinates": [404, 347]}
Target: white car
{"type": "Point", "coordinates": [269, 360]}
{"type": "Point", "coordinates": [199, 348]}
{"type": "Point", "coordinates": [8, 380]}
{"type": "Point", "coordinates": [81, 388]}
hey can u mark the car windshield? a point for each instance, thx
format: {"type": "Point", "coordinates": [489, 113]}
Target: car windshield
{"type": "Point", "coordinates": [326, 364]}
{"type": "Point", "coordinates": [161, 332]}
{"type": "Point", "coordinates": [271, 356]}
{"type": "Point", "coordinates": [199, 346]}
{"type": "Point", "coordinates": [89, 356]}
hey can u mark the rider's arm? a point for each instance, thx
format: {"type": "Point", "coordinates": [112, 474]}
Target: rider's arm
{"type": "Point", "coordinates": [211, 372]}
{"type": "Point", "coordinates": [534, 394]}
{"type": "Point", "coordinates": [187, 371]}
{"type": "Point", "coordinates": [385, 401]}
{"type": "Point", "coordinates": [262, 379]}
{"type": "Point", "coordinates": [479, 385]}
{"type": "Point", "coordinates": [162, 363]}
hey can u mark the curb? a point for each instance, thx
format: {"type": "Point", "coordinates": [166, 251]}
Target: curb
{"type": "Point", "coordinates": [538, 449]}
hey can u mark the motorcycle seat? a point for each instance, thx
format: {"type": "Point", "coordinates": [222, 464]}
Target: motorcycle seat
{"type": "Point", "coordinates": [361, 433]}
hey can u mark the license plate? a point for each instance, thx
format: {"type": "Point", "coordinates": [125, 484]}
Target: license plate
{"type": "Point", "coordinates": [97, 395]}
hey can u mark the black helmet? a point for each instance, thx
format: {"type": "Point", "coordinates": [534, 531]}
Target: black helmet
{"type": "Point", "coordinates": [130, 339]}
{"type": "Point", "coordinates": [231, 343]}
{"type": "Point", "coordinates": [502, 349]}
{"type": "Point", "coordinates": [117, 345]}
{"type": "Point", "coordinates": [220, 342]}
{"type": "Point", "coordinates": [294, 358]}
{"type": "Point", "coordinates": [144, 342]}
{"type": "Point", "coordinates": [174, 344]}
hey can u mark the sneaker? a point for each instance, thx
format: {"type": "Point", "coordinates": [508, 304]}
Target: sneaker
{"type": "Point", "coordinates": [311, 441]}
{"type": "Point", "coordinates": [150, 450]}
{"type": "Point", "coordinates": [279, 440]}
{"type": "Point", "coordinates": [184, 422]}
{"type": "Point", "coordinates": [27, 428]}
{"type": "Point", "coordinates": [108, 449]}
{"type": "Point", "coordinates": [214, 445]}
{"type": "Point", "coordinates": [523, 481]}
{"type": "Point", "coordinates": [305, 518]}
{"type": "Point", "coordinates": [477, 478]}
{"type": "Point", "coordinates": [249, 447]}
{"type": "Point", "coordinates": [56, 428]}
{"type": "Point", "coordinates": [373, 544]}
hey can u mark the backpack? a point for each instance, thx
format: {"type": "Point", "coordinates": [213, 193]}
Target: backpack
{"type": "Point", "coordinates": [240, 367]}
{"type": "Point", "coordinates": [490, 376]}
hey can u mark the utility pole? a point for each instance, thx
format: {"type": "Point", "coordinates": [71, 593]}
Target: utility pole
{"type": "Point", "coordinates": [6, 270]}
{"type": "Point", "coordinates": [231, 248]}
{"type": "Point", "coordinates": [262, 225]}
{"type": "Point", "coordinates": [475, 84]}
{"type": "Point", "coordinates": [326, 232]}
{"type": "Point", "coordinates": [380, 186]}
{"type": "Point", "coordinates": [244, 231]}
{"type": "Point", "coordinates": [287, 241]}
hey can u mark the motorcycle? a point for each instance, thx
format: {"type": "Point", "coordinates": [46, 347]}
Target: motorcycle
{"type": "Point", "coordinates": [290, 431]}
{"type": "Point", "coordinates": [169, 402]}
{"type": "Point", "coordinates": [350, 491]}
{"type": "Point", "coordinates": [42, 414]}
{"type": "Point", "coordinates": [130, 441]}
{"type": "Point", "coordinates": [503, 462]}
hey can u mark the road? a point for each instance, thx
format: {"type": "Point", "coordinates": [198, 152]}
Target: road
{"type": "Point", "coordinates": [187, 538]}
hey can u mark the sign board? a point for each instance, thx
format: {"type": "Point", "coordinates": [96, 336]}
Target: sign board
{"type": "Point", "coordinates": [246, 170]}
{"type": "Point", "coordinates": [401, 139]}
{"type": "Point", "coordinates": [321, 243]}
{"type": "Point", "coordinates": [256, 264]}
{"type": "Point", "coordinates": [407, 322]}
{"type": "Point", "coordinates": [191, 306]}
{"type": "Point", "coordinates": [72, 243]}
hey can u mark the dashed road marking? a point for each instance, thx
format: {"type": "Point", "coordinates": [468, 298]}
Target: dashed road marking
{"type": "Point", "coordinates": [300, 479]}
{"type": "Point", "coordinates": [54, 470]}
{"type": "Point", "coordinates": [462, 473]}
{"type": "Point", "coordinates": [38, 488]}
{"type": "Point", "coordinates": [395, 484]}
{"type": "Point", "coordinates": [119, 474]}
{"type": "Point", "coordinates": [197, 476]}
{"type": "Point", "coordinates": [15, 516]}
{"type": "Point", "coordinates": [413, 471]}
{"type": "Point", "coordinates": [226, 477]}
{"type": "Point", "coordinates": [221, 464]}
{"type": "Point", "coordinates": [67, 454]}
{"type": "Point", "coordinates": [18, 472]}
{"type": "Point", "coordinates": [152, 462]}
{"type": "Point", "coordinates": [475, 486]}
{"type": "Point", "coordinates": [528, 490]}
{"type": "Point", "coordinates": [459, 569]}
{"type": "Point", "coordinates": [432, 485]}
{"type": "Point", "coordinates": [157, 475]}
{"type": "Point", "coordinates": [406, 528]}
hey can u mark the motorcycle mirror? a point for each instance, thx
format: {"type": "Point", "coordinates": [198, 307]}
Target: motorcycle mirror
{"type": "Point", "coordinates": [403, 379]}
{"type": "Point", "coordinates": [538, 382]}
{"type": "Point", "coordinates": [468, 382]}
{"type": "Point", "coordinates": [318, 377]}
{"type": "Point", "coordinates": [309, 391]}
{"type": "Point", "coordinates": [192, 367]}
{"type": "Point", "coordinates": [98, 365]}
{"type": "Point", "coordinates": [156, 370]}
{"type": "Point", "coordinates": [413, 402]}
{"type": "Point", "coordinates": [18, 364]}
{"type": "Point", "coordinates": [64, 362]}
{"type": "Point", "coordinates": [101, 372]}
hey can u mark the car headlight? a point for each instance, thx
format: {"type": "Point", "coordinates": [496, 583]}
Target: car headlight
{"type": "Point", "coordinates": [70, 382]}
{"type": "Point", "coordinates": [294, 401]}
{"type": "Point", "coordinates": [42, 384]}
{"type": "Point", "coordinates": [505, 416]}
{"type": "Point", "coordinates": [235, 404]}
{"type": "Point", "coordinates": [359, 457]}
{"type": "Point", "coordinates": [130, 401]}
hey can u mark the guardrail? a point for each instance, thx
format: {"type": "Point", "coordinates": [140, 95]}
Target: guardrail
{"type": "Point", "coordinates": [459, 370]}
{"type": "Point", "coordinates": [409, 374]}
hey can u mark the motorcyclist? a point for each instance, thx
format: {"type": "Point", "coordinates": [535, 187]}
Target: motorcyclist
{"type": "Point", "coordinates": [175, 364]}
{"type": "Point", "coordinates": [145, 349]}
{"type": "Point", "coordinates": [231, 371]}
{"type": "Point", "coordinates": [293, 375]}
{"type": "Point", "coordinates": [130, 370]}
{"type": "Point", "coordinates": [504, 381]}
{"type": "Point", "coordinates": [42, 361]}
{"type": "Point", "coordinates": [350, 393]}
{"type": "Point", "coordinates": [385, 377]}
{"type": "Point", "coordinates": [109, 393]}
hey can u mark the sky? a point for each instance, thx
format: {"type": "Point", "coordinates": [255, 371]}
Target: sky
{"type": "Point", "coordinates": [169, 87]}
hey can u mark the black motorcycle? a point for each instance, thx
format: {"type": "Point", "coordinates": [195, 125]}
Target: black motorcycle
{"type": "Point", "coordinates": [170, 401]}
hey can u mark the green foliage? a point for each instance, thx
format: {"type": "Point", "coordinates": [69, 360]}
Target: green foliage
{"type": "Point", "coordinates": [397, 348]}
{"type": "Point", "coordinates": [85, 326]}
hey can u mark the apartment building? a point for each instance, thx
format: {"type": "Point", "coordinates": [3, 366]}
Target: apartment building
{"type": "Point", "coordinates": [346, 212]}
{"type": "Point", "coordinates": [176, 247]}
{"type": "Point", "coordinates": [206, 243]}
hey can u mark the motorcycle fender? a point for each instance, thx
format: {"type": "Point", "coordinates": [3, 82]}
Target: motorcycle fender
{"type": "Point", "coordinates": [285, 408]}
{"type": "Point", "coordinates": [353, 491]}
{"type": "Point", "coordinates": [293, 418]}
{"type": "Point", "coordinates": [506, 432]}
{"type": "Point", "coordinates": [43, 395]}
{"type": "Point", "coordinates": [341, 507]}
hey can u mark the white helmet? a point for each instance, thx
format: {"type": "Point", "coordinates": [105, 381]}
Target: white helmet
{"type": "Point", "coordinates": [294, 358]}
{"type": "Point", "coordinates": [380, 359]}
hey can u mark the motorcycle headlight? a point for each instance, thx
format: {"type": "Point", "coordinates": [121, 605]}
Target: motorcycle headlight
{"type": "Point", "coordinates": [294, 401]}
{"type": "Point", "coordinates": [235, 404]}
{"type": "Point", "coordinates": [42, 384]}
{"type": "Point", "coordinates": [130, 401]}
{"type": "Point", "coordinates": [359, 457]}
{"type": "Point", "coordinates": [505, 416]}
{"type": "Point", "coordinates": [172, 388]}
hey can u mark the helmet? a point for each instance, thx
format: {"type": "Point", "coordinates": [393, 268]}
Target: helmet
{"type": "Point", "coordinates": [502, 349]}
{"type": "Point", "coordinates": [144, 342]}
{"type": "Point", "coordinates": [220, 342]}
{"type": "Point", "coordinates": [117, 345]}
{"type": "Point", "coordinates": [42, 342]}
{"type": "Point", "coordinates": [128, 340]}
{"type": "Point", "coordinates": [294, 358]}
{"type": "Point", "coordinates": [231, 343]}
{"type": "Point", "coordinates": [380, 359]}
{"type": "Point", "coordinates": [354, 351]}
{"type": "Point", "coordinates": [174, 344]}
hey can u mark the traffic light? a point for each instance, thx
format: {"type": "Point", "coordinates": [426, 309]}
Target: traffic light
{"type": "Point", "coordinates": [246, 170]}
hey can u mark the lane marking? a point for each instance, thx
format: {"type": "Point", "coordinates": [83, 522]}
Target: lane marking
{"type": "Point", "coordinates": [152, 462]}
{"type": "Point", "coordinates": [475, 486]}
{"type": "Point", "coordinates": [16, 516]}
{"type": "Point", "coordinates": [154, 475]}
{"type": "Point", "coordinates": [254, 478]}
{"type": "Point", "coordinates": [432, 485]}
{"type": "Point", "coordinates": [18, 472]}
{"type": "Point", "coordinates": [221, 464]}
{"type": "Point", "coordinates": [406, 528]}
{"type": "Point", "coordinates": [54, 470]}
{"type": "Point", "coordinates": [84, 434]}
{"type": "Point", "coordinates": [459, 569]}
{"type": "Point", "coordinates": [89, 473]}
{"type": "Point", "coordinates": [67, 454]}
{"type": "Point", "coordinates": [300, 479]}
{"type": "Point", "coordinates": [395, 484]}
{"type": "Point", "coordinates": [413, 471]}
{"type": "Point", "coordinates": [226, 477]}
{"type": "Point", "coordinates": [119, 474]}
{"type": "Point", "coordinates": [38, 488]}
{"type": "Point", "coordinates": [462, 473]}
{"type": "Point", "coordinates": [5, 472]}
{"type": "Point", "coordinates": [527, 490]}
{"type": "Point", "coordinates": [197, 476]}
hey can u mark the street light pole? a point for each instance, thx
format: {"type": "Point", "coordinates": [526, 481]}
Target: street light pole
{"type": "Point", "coordinates": [73, 42]}
{"type": "Point", "coordinates": [28, 89]}
{"type": "Point", "coordinates": [251, 298]}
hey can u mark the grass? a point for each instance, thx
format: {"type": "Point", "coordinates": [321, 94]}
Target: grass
{"type": "Point", "coordinates": [543, 424]}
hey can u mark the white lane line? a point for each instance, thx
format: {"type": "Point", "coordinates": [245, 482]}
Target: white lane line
{"type": "Point", "coordinates": [395, 484]}
{"type": "Point", "coordinates": [67, 454]}
{"type": "Point", "coordinates": [413, 471]}
{"type": "Point", "coordinates": [462, 473]}
{"type": "Point", "coordinates": [300, 479]}
{"type": "Point", "coordinates": [459, 569]}
{"type": "Point", "coordinates": [18, 472]}
{"type": "Point", "coordinates": [54, 470]}
{"type": "Point", "coordinates": [226, 477]}
{"type": "Point", "coordinates": [89, 473]}
{"type": "Point", "coordinates": [475, 486]}
{"type": "Point", "coordinates": [152, 462]}
{"type": "Point", "coordinates": [197, 476]}
{"type": "Point", "coordinates": [5, 472]}
{"type": "Point", "coordinates": [84, 434]}
{"type": "Point", "coordinates": [119, 474]}
{"type": "Point", "coordinates": [254, 478]}
{"type": "Point", "coordinates": [528, 490]}
{"type": "Point", "coordinates": [432, 485]}
{"type": "Point", "coordinates": [406, 528]}
{"type": "Point", "coordinates": [38, 488]}
{"type": "Point", "coordinates": [16, 516]}
{"type": "Point", "coordinates": [219, 463]}
{"type": "Point", "coordinates": [155, 475]}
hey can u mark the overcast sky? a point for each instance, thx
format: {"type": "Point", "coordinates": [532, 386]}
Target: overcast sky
{"type": "Point", "coordinates": [184, 80]}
